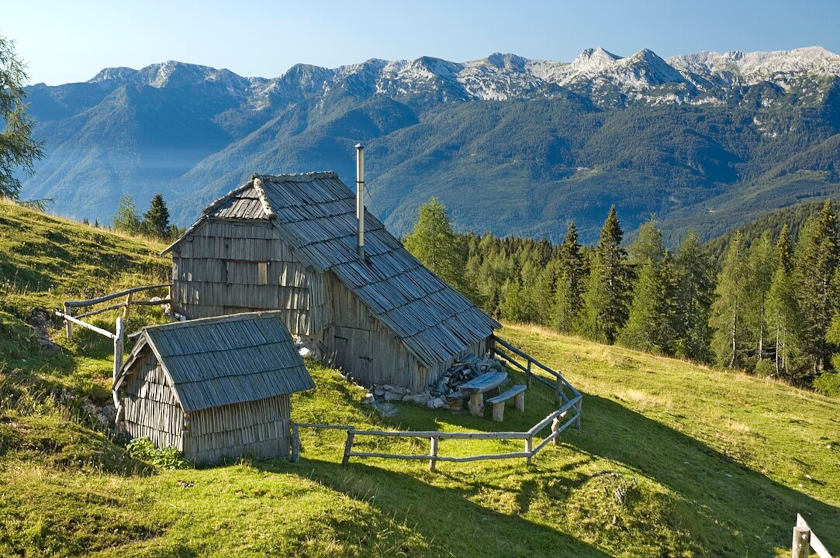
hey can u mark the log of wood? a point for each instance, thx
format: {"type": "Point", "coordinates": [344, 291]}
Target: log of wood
{"type": "Point", "coordinates": [499, 411]}
{"type": "Point", "coordinates": [99, 330]}
{"type": "Point", "coordinates": [93, 301]}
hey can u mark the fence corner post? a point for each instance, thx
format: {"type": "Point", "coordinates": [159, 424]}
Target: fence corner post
{"type": "Point", "coordinates": [579, 410]}
{"type": "Point", "coordinates": [529, 448]}
{"type": "Point", "coordinates": [348, 445]}
{"type": "Point", "coordinates": [801, 542]}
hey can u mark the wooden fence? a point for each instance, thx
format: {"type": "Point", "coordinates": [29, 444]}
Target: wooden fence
{"type": "Point", "coordinates": [568, 414]}
{"type": "Point", "coordinates": [804, 540]}
{"type": "Point", "coordinates": [118, 336]}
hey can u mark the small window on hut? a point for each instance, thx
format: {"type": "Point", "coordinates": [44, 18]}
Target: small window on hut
{"type": "Point", "coordinates": [262, 273]}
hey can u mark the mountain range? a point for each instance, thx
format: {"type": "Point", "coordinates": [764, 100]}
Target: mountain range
{"type": "Point", "coordinates": [510, 145]}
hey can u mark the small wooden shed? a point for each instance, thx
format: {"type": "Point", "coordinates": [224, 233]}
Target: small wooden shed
{"type": "Point", "coordinates": [293, 243]}
{"type": "Point", "coordinates": [213, 388]}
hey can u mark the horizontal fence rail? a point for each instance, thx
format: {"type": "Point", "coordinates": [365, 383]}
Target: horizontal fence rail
{"type": "Point", "coordinates": [568, 414]}
{"type": "Point", "coordinates": [69, 305]}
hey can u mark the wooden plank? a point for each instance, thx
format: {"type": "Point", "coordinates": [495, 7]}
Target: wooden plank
{"type": "Point", "coordinates": [100, 331]}
{"type": "Point", "coordinates": [445, 435]}
{"type": "Point", "coordinates": [92, 301]}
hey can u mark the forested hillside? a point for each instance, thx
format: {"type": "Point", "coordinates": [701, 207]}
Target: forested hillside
{"type": "Point", "coordinates": [765, 298]}
{"type": "Point", "coordinates": [511, 146]}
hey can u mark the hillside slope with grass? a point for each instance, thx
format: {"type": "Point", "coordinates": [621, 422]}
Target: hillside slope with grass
{"type": "Point", "coordinates": [672, 459]}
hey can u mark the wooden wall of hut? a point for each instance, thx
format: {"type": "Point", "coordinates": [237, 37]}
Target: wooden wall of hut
{"type": "Point", "coordinates": [228, 266]}
{"type": "Point", "coordinates": [257, 428]}
{"type": "Point", "coordinates": [151, 408]}
{"type": "Point", "coordinates": [369, 350]}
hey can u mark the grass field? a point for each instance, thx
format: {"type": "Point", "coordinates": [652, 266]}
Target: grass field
{"type": "Point", "coordinates": [673, 459]}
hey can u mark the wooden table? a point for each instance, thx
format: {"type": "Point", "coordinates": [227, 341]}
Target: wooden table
{"type": "Point", "coordinates": [476, 388]}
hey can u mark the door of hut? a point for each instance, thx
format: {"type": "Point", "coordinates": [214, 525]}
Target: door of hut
{"type": "Point", "coordinates": [353, 348]}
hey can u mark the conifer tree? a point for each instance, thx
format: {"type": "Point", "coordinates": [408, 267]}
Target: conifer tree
{"type": "Point", "coordinates": [569, 282]}
{"type": "Point", "coordinates": [126, 219]}
{"type": "Point", "coordinates": [156, 219]}
{"type": "Point", "coordinates": [817, 256]}
{"type": "Point", "coordinates": [433, 242]}
{"type": "Point", "coordinates": [605, 301]}
{"type": "Point", "coordinates": [728, 311]}
{"type": "Point", "coordinates": [760, 274]}
{"type": "Point", "coordinates": [18, 148]}
{"type": "Point", "coordinates": [694, 292]}
{"type": "Point", "coordinates": [647, 246]}
{"type": "Point", "coordinates": [643, 323]}
{"type": "Point", "coordinates": [781, 305]}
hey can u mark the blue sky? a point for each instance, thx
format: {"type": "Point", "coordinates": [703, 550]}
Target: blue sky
{"type": "Point", "coordinates": [71, 41]}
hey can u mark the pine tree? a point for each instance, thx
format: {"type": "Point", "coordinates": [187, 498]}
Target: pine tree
{"type": "Point", "coordinates": [156, 219]}
{"type": "Point", "coordinates": [433, 242]}
{"type": "Point", "coordinates": [642, 327]}
{"type": "Point", "coordinates": [694, 293]}
{"type": "Point", "coordinates": [569, 282]}
{"type": "Point", "coordinates": [647, 246]}
{"type": "Point", "coordinates": [760, 274]}
{"type": "Point", "coordinates": [817, 256]}
{"type": "Point", "coordinates": [728, 311]}
{"type": "Point", "coordinates": [17, 146]}
{"type": "Point", "coordinates": [782, 311]}
{"type": "Point", "coordinates": [605, 301]}
{"type": "Point", "coordinates": [126, 219]}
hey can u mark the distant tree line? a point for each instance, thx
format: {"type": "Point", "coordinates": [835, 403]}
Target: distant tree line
{"type": "Point", "coordinates": [154, 223]}
{"type": "Point", "coordinates": [771, 307]}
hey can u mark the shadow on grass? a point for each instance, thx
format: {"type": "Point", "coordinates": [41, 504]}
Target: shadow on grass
{"type": "Point", "coordinates": [444, 517]}
{"type": "Point", "coordinates": [754, 511]}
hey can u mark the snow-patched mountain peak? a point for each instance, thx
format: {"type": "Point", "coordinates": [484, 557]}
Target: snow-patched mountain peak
{"type": "Point", "coordinates": [753, 67]}
{"type": "Point", "coordinates": [593, 60]}
{"type": "Point", "coordinates": [120, 74]}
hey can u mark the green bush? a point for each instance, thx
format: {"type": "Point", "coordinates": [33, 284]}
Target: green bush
{"type": "Point", "coordinates": [828, 384]}
{"type": "Point", "coordinates": [163, 458]}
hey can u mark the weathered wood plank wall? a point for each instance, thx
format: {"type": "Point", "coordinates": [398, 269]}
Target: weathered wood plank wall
{"type": "Point", "coordinates": [259, 428]}
{"type": "Point", "coordinates": [151, 408]}
{"type": "Point", "coordinates": [226, 267]}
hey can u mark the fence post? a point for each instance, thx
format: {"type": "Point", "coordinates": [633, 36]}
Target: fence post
{"type": "Point", "coordinates": [529, 447]}
{"type": "Point", "coordinates": [528, 375]}
{"type": "Point", "coordinates": [119, 346]}
{"type": "Point", "coordinates": [801, 542]}
{"type": "Point", "coordinates": [68, 327]}
{"type": "Point", "coordinates": [579, 409]}
{"type": "Point", "coordinates": [295, 443]}
{"type": "Point", "coordinates": [433, 451]}
{"type": "Point", "coordinates": [127, 303]}
{"type": "Point", "coordinates": [555, 426]}
{"type": "Point", "coordinates": [348, 445]}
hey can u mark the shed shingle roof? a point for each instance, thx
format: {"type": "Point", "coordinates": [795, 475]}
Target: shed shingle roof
{"type": "Point", "coordinates": [316, 213]}
{"type": "Point", "coordinates": [227, 360]}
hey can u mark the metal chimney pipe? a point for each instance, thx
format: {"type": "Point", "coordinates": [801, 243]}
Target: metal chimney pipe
{"type": "Point", "coordinates": [360, 196]}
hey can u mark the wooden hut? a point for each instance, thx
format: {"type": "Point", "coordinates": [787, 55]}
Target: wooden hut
{"type": "Point", "coordinates": [213, 388]}
{"type": "Point", "coordinates": [292, 243]}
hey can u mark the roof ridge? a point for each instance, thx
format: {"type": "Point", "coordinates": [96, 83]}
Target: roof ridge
{"type": "Point", "coordinates": [296, 177]}
{"type": "Point", "coordinates": [215, 319]}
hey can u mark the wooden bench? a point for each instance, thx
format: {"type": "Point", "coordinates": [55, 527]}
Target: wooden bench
{"type": "Point", "coordinates": [516, 392]}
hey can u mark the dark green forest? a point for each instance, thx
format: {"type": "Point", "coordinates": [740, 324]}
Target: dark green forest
{"type": "Point", "coordinates": [763, 298]}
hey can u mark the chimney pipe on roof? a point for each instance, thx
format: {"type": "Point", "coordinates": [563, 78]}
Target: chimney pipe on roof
{"type": "Point", "coordinates": [360, 192]}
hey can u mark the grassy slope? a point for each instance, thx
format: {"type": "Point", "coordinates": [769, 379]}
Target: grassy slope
{"type": "Point", "coordinates": [712, 463]}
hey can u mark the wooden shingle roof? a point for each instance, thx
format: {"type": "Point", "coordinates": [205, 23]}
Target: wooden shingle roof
{"type": "Point", "coordinates": [316, 213]}
{"type": "Point", "coordinates": [226, 360]}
